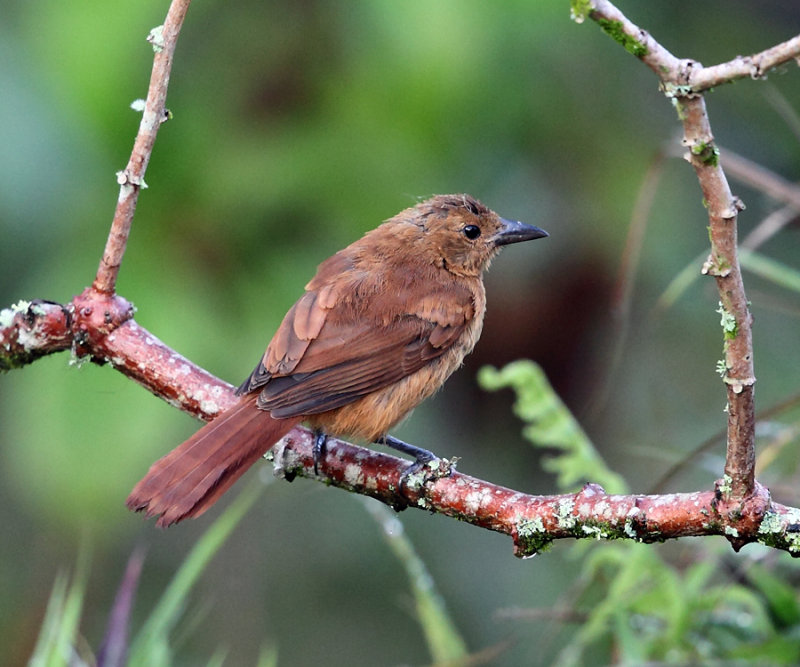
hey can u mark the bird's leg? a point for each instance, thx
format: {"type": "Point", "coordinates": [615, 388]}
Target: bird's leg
{"type": "Point", "coordinates": [421, 456]}
{"type": "Point", "coordinates": [320, 443]}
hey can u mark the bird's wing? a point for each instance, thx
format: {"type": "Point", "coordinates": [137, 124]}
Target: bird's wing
{"type": "Point", "coordinates": [330, 349]}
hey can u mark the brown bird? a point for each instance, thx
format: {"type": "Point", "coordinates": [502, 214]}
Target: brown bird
{"type": "Point", "coordinates": [381, 326]}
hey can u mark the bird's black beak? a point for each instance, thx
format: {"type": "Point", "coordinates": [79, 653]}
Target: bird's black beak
{"type": "Point", "coordinates": [514, 231]}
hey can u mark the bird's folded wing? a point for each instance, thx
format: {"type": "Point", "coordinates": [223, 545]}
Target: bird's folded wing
{"type": "Point", "coordinates": [325, 356]}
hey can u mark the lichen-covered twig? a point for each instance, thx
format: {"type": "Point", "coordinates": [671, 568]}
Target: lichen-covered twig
{"type": "Point", "coordinates": [102, 329]}
{"type": "Point", "coordinates": [684, 81]}
{"type": "Point", "coordinates": [534, 522]}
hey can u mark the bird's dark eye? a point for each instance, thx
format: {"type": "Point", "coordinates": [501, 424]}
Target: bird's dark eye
{"type": "Point", "coordinates": [472, 231]}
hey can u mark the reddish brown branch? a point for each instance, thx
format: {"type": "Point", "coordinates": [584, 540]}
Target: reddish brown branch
{"type": "Point", "coordinates": [101, 327]}
{"type": "Point", "coordinates": [533, 522]}
{"type": "Point", "coordinates": [141, 356]}
{"type": "Point", "coordinates": [131, 179]}
{"type": "Point", "coordinates": [33, 329]}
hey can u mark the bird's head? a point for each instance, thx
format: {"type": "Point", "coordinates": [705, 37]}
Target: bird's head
{"type": "Point", "coordinates": [462, 235]}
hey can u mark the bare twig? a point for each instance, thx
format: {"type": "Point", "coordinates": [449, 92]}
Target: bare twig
{"type": "Point", "coordinates": [707, 445]}
{"type": "Point", "coordinates": [756, 175]}
{"type": "Point", "coordinates": [756, 66]}
{"type": "Point", "coordinates": [681, 78]}
{"type": "Point", "coordinates": [131, 179]}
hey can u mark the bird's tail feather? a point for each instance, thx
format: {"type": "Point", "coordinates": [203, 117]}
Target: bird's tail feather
{"type": "Point", "coordinates": [191, 478]}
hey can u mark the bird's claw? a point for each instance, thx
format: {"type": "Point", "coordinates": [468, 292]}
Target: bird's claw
{"type": "Point", "coordinates": [318, 452]}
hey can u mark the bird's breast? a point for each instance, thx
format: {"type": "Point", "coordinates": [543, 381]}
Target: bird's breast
{"type": "Point", "coordinates": [373, 415]}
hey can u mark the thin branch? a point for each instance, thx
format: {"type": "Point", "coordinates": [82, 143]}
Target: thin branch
{"type": "Point", "coordinates": [756, 66]}
{"type": "Point", "coordinates": [723, 265]}
{"type": "Point", "coordinates": [707, 445]}
{"type": "Point", "coordinates": [681, 78]}
{"type": "Point", "coordinates": [682, 81]}
{"type": "Point", "coordinates": [131, 179]}
{"type": "Point", "coordinates": [756, 175]}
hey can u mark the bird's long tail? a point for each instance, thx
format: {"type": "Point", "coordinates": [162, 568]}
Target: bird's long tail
{"type": "Point", "coordinates": [192, 477]}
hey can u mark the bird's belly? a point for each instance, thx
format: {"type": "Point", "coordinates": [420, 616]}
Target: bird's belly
{"type": "Point", "coordinates": [370, 417]}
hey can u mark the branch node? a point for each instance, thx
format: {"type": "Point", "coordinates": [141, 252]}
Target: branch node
{"type": "Point", "coordinates": [738, 384]}
{"type": "Point", "coordinates": [156, 38]}
{"type": "Point", "coordinates": [589, 490]}
{"type": "Point", "coordinates": [681, 85]}
{"type": "Point", "coordinates": [95, 316]}
{"type": "Point", "coordinates": [126, 177]}
{"type": "Point", "coordinates": [702, 148]}
{"type": "Point", "coordinates": [716, 265]}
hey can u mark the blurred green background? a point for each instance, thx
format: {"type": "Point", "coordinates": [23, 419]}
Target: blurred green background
{"type": "Point", "coordinates": [297, 127]}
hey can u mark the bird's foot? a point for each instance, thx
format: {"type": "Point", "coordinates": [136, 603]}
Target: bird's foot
{"type": "Point", "coordinates": [426, 465]}
{"type": "Point", "coordinates": [320, 445]}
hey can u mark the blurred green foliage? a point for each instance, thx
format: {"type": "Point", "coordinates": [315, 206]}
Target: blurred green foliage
{"type": "Point", "coordinates": [298, 126]}
{"type": "Point", "coordinates": [551, 426]}
{"type": "Point", "coordinates": [636, 607]}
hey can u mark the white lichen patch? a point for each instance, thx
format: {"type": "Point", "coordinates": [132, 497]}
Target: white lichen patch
{"type": "Point", "coordinates": [730, 530]}
{"type": "Point", "coordinates": [156, 38]}
{"type": "Point", "coordinates": [474, 500]}
{"type": "Point", "coordinates": [528, 526]}
{"type": "Point", "coordinates": [37, 309]}
{"type": "Point", "coordinates": [598, 532]}
{"type": "Point", "coordinates": [771, 523]}
{"type": "Point", "coordinates": [210, 407]}
{"type": "Point", "coordinates": [725, 485]}
{"type": "Point", "coordinates": [513, 500]}
{"type": "Point", "coordinates": [669, 499]}
{"type": "Point", "coordinates": [354, 476]}
{"type": "Point", "coordinates": [7, 314]}
{"type": "Point", "coordinates": [28, 339]}
{"type": "Point", "coordinates": [628, 528]}
{"type": "Point", "coordinates": [777, 524]}
{"type": "Point", "coordinates": [564, 511]}
{"type": "Point", "coordinates": [603, 509]}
